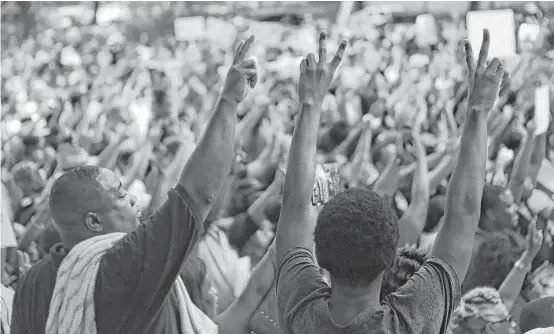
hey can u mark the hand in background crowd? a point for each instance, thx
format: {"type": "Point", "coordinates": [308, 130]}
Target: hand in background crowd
{"type": "Point", "coordinates": [392, 121]}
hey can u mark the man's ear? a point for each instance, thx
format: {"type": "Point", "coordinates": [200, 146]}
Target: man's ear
{"type": "Point", "coordinates": [93, 223]}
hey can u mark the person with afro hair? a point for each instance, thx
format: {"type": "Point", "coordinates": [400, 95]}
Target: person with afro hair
{"type": "Point", "coordinates": [356, 232]}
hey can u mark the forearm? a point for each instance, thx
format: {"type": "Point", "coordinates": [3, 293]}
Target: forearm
{"type": "Point", "coordinates": [511, 286]}
{"type": "Point", "coordinates": [440, 172]}
{"type": "Point", "coordinates": [387, 183]}
{"type": "Point", "coordinates": [433, 160]}
{"type": "Point", "coordinates": [256, 210]}
{"type": "Point", "coordinates": [496, 138]}
{"type": "Point", "coordinates": [420, 185]}
{"type": "Point", "coordinates": [299, 179]}
{"type": "Point", "coordinates": [247, 125]}
{"type": "Point", "coordinates": [208, 167]}
{"type": "Point", "coordinates": [237, 317]}
{"type": "Point", "coordinates": [343, 147]}
{"type": "Point", "coordinates": [521, 167]}
{"type": "Point", "coordinates": [413, 220]}
{"type": "Point", "coordinates": [463, 200]}
{"type": "Point", "coordinates": [361, 156]}
{"type": "Point", "coordinates": [108, 157]}
{"type": "Point", "coordinates": [539, 152]}
{"type": "Point", "coordinates": [139, 166]}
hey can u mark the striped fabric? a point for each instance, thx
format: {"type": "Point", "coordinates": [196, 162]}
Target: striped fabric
{"type": "Point", "coordinates": [72, 306]}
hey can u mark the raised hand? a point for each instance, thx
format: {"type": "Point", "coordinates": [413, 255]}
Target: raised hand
{"type": "Point", "coordinates": [316, 76]}
{"type": "Point", "coordinates": [243, 72]}
{"type": "Point", "coordinates": [484, 80]}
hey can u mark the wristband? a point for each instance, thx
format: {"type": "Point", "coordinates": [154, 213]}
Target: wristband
{"type": "Point", "coordinates": [520, 266]}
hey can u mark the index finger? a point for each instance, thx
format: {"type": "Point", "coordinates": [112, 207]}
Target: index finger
{"type": "Point", "coordinates": [241, 56]}
{"type": "Point", "coordinates": [484, 52]}
{"type": "Point", "coordinates": [338, 56]}
{"type": "Point", "coordinates": [322, 48]}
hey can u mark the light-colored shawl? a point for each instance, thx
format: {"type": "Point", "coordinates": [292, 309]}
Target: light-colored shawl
{"type": "Point", "coordinates": [72, 307]}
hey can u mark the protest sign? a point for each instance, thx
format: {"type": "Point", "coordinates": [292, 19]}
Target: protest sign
{"type": "Point", "coordinates": [142, 114]}
{"type": "Point", "coordinates": [327, 183]}
{"type": "Point", "coordinates": [426, 30]}
{"type": "Point", "coordinates": [546, 175]}
{"type": "Point", "coordinates": [501, 26]}
{"type": "Point", "coordinates": [269, 32]}
{"type": "Point", "coordinates": [189, 28]}
{"type": "Point", "coordinates": [220, 31]}
{"type": "Point", "coordinates": [542, 109]}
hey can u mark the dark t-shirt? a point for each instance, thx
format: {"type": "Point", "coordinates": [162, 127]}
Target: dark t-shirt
{"type": "Point", "coordinates": [423, 305]}
{"type": "Point", "coordinates": [134, 288]}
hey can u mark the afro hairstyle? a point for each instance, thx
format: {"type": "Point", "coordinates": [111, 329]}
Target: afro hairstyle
{"type": "Point", "coordinates": [356, 236]}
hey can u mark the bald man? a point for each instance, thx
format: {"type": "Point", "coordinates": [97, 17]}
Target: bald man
{"type": "Point", "coordinates": [134, 290]}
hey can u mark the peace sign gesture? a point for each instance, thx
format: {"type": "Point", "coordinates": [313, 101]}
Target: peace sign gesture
{"type": "Point", "coordinates": [243, 72]}
{"type": "Point", "coordinates": [484, 80]}
{"type": "Point", "coordinates": [316, 76]}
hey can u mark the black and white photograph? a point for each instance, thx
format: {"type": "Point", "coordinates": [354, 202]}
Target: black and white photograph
{"type": "Point", "coordinates": [277, 167]}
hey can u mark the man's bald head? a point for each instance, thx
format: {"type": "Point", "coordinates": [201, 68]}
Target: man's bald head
{"type": "Point", "coordinates": [89, 201]}
{"type": "Point", "coordinates": [75, 193]}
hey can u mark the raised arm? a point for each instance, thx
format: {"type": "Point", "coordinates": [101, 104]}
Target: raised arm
{"type": "Point", "coordinates": [538, 156]}
{"type": "Point", "coordinates": [387, 183]}
{"type": "Point", "coordinates": [209, 165]}
{"type": "Point", "coordinates": [433, 160]}
{"type": "Point", "coordinates": [511, 286]}
{"type": "Point", "coordinates": [296, 221]}
{"type": "Point", "coordinates": [413, 220]}
{"type": "Point", "coordinates": [141, 268]}
{"type": "Point", "coordinates": [522, 163]}
{"type": "Point", "coordinates": [463, 201]}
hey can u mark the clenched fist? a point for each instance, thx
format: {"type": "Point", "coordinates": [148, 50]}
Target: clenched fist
{"type": "Point", "coordinates": [243, 72]}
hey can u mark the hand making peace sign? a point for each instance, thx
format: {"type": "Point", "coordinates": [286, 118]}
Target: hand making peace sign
{"type": "Point", "coordinates": [484, 80]}
{"type": "Point", "coordinates": [316, 76]}
{"type": "Point", "coordinates": [242, 72]}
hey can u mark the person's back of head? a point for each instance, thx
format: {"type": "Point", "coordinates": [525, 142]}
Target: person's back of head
{"type": "Point", "coordinates": [494, 259]}
{"type": "Point", "coordinates": [408, 261]}
{"type": "Point", "coordinates": [27, 176]}
{"type": "Point", "coordinates": [538, 313]}
{"type": "Point", "coordinates": [89, 201]}
{"type": "Point", "coordinates": [356, 236]}
{"type": "Point", "coordinates": [481, 310]}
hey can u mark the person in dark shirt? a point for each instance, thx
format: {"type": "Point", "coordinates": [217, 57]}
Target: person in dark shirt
{"type": "Point", "coordinates": [134, 290]}
{"type": "Point", "coordinates": [356, 232]}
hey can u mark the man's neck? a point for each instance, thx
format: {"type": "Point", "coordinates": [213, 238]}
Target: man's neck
{"type": "Point", "coordinates": [347, 302]}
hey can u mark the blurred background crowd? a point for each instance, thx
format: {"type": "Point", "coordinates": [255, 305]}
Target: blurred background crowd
{"type": "Point", "coordinates": [130, 86]}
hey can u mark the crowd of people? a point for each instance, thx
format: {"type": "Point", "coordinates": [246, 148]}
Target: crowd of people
{"type": "Point", "coordinates": [168, 186]}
